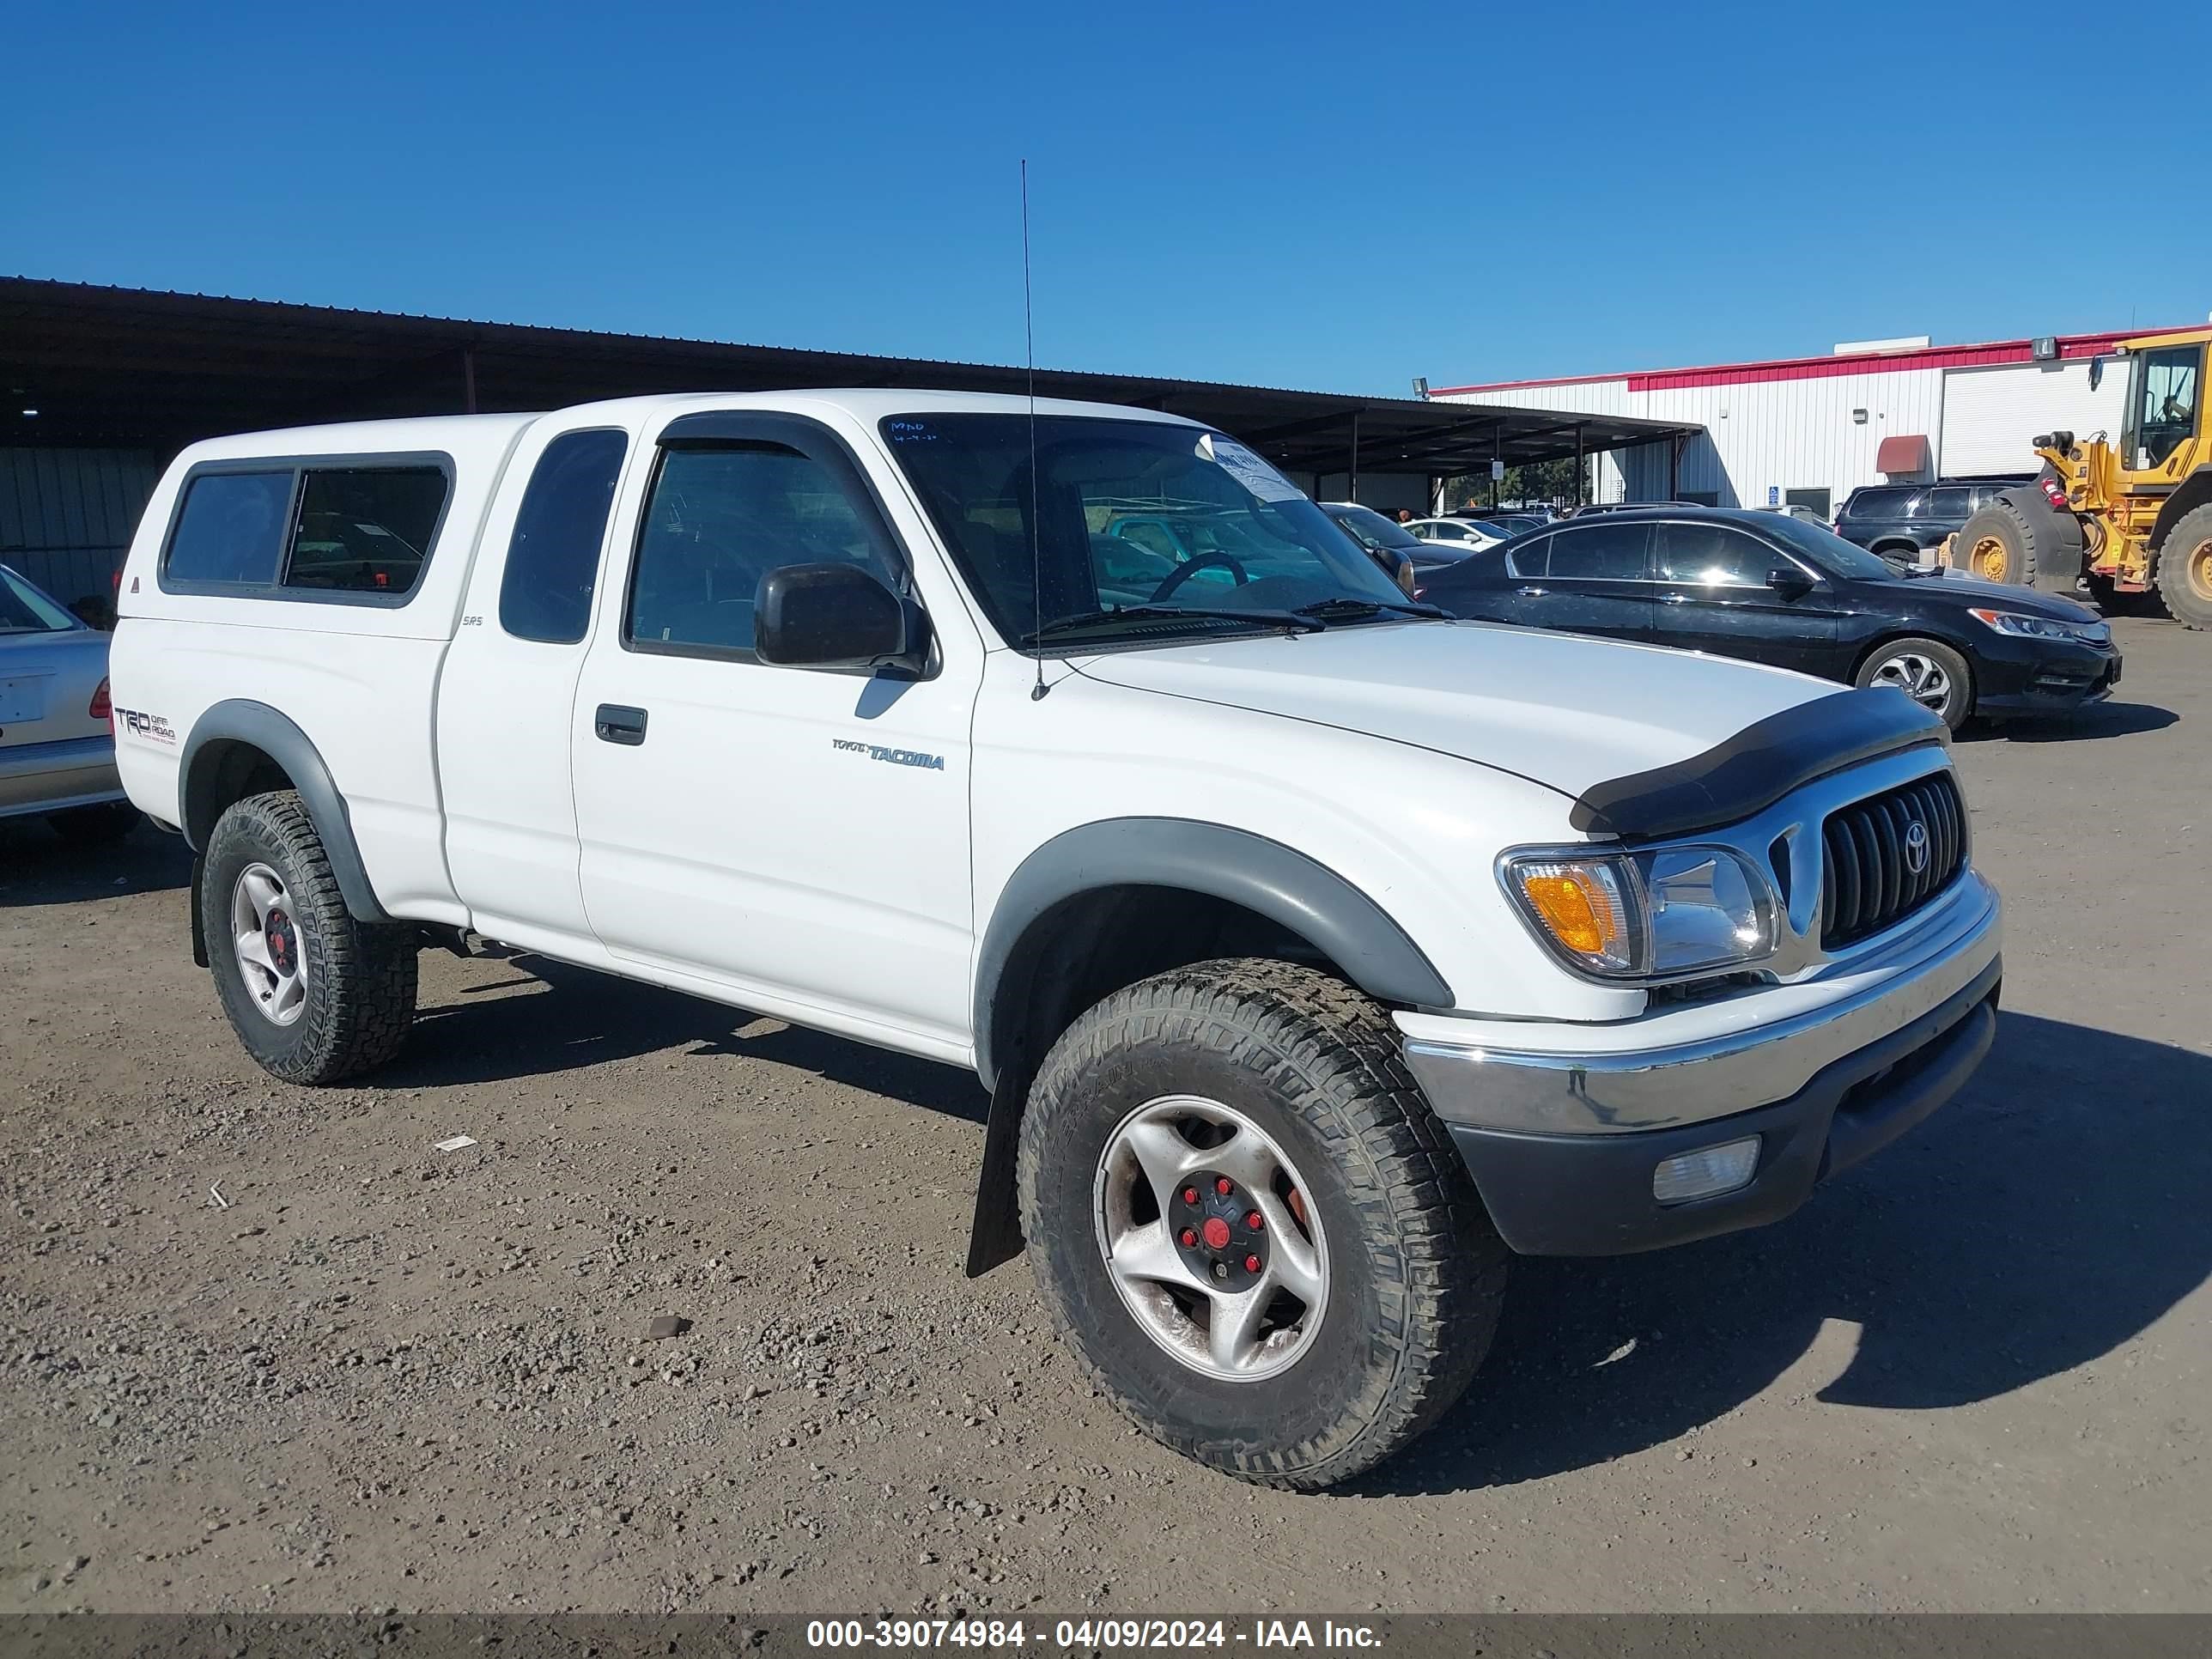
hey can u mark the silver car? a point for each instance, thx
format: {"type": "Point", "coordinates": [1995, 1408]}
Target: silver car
{"type": "Point", "coordinates": [57, 733]}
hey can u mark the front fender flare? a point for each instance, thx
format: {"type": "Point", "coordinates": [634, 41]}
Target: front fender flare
{"type": "Point", "coordinates": [1263, 876]}
{"type": "Point", "coordinates": [241, 720]}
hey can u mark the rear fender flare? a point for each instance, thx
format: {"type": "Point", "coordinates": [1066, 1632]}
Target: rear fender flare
{"type": "Point", "coordinates": [239, 720]}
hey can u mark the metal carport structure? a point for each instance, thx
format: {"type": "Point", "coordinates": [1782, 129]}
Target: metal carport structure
{"type": "Point", "coordinates": [136, 373]}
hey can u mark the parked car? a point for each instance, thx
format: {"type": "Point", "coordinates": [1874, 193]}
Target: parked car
{"type": "Point", "coordinates": [1790, 510]}
{"type": "Point", "coordinates": [1384, 540]}
{"type": "Point", "coordinates": [1404, 557]}
{"type": "Point", "coordinates": [57, 737]}
{"type": "Point", "coordinates": [1770, 588]}
{"type": "Point", "coordinates": [1459, 536]}
{"type": "Point", "coordinates": [1513, 523]}
{"type": "Point", "coordinates": [1906, 523]}
{"type": "Point", "coordinates": [1318, 951]}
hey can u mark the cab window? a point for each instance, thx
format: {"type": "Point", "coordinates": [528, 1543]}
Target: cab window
{"type": "Point", "coordinates": [2165, 412]}
{"type": "Point", "coordinates": [553, 557]}
{"type": "Point", "coordinates": [722, 517]}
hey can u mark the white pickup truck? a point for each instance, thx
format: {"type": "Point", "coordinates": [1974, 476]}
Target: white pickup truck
{"type": "Point", "coordinates": [1319, 953]}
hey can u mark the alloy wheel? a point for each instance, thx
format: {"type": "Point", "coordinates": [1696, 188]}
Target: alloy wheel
{"type": "Point", "coordinates": [1206, 1234]}
{"type": "Point", "coordinates": [265, 941]}
{"type": "Point", "coordinates": [1922, 679]}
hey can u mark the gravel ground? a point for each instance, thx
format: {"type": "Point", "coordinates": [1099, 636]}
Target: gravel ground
{"type": "Point", "coordinates": [1971, 1375]}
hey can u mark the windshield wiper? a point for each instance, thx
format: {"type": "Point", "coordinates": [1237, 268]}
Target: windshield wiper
{"type": "Point", "coordinates": [1090, 619]}
{"type": "Point", "coordinates": [1343, 606]}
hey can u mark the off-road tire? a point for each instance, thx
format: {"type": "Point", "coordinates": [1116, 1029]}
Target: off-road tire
{"type": "Point", "coordinates": [1417, 1271]}
{"type": "Point", "coordinates": [95, 826]}
{"type": "Point", "coordinates": [1959, 707]}
{"type": "Point", "coordinates": [2034, 553]}
{"type": "Point", "coordinates": [2184, 569]}
{"type": "Point", "coordinates": [361, 976]}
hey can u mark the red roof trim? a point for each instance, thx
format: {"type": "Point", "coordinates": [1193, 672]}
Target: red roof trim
{"type": "Point", "coordinates": [1815, 368]}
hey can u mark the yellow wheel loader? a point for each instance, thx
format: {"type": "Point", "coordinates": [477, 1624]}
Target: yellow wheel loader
{"type": "Point", "coordinates": [2134, 517]}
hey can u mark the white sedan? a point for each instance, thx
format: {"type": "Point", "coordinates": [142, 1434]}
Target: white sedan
{"type": "Point", "coordinates": [1461, 535]}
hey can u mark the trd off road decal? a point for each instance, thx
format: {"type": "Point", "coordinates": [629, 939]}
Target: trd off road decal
{"type": "Point", "coordinates": [896, 756]}
{"type": "Point", "coordinates": [154, 728]}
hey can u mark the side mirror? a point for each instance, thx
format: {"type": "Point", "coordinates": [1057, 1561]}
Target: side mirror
{"type": "Point", "coordinates": [1789, 582]}
{"type": "Point", "coordinates": [833, 615]}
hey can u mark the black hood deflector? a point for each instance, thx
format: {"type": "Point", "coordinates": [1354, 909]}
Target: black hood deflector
{"type": "Point", "coordinates": [1758, 766]}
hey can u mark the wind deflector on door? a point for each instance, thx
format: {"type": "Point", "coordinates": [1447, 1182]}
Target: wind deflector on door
{"type": "Point", "coordinates": [1758, 766]}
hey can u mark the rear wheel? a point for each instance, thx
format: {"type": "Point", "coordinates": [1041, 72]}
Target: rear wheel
{"type": "Point", "coordinates": [2184, 569]}
{"type": "Point", "coordinates": [314, 994]}
{"type": "Point", "coordinates": [1929, 672]}
{"type": "Point", "coordinates": [1249, 1226]}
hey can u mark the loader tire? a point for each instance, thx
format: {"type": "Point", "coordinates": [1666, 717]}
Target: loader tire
{"type": "Point", "coordinates": [2184, 569]}
{"type": "Point", "coordinates": [2005, 543]}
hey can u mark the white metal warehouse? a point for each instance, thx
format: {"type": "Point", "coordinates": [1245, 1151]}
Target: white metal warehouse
{"type": "Point", "coordinates": [1807, 431]}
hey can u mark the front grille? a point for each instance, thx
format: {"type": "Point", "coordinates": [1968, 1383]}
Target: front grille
{"type": "Point", "coordinates": [1867, 879]}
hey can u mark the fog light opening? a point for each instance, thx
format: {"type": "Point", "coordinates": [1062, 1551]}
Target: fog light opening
{"type": "Point", "coordinates": [1708, 1171]}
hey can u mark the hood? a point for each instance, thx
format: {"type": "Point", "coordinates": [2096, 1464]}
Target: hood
{"type": "Point", "coordinates": [1564, 710]}
{"type": "Point", "coordinates": [1972, 591]}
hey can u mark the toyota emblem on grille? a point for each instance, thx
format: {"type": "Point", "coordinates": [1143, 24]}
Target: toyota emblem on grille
{"type": "Point", "coordinates": [1916, 847]}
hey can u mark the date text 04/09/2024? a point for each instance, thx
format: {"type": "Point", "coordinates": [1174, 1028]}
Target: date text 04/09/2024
{"type": "Point", "coordinates": [1167, 1634]}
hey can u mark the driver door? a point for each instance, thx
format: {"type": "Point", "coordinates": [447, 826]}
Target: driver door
{"type": "Point", "coordinates": [787, 835]}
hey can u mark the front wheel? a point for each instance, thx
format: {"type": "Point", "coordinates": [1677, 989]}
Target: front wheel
{"type": "Point", "coordinates": [2184, 569]}
{"type": "Point", "coordinates": [314, 994]}
{"type": "Point", "coordinates": [1258, 1240]}
{"type": "Point", "coordinates": [1929, 672]}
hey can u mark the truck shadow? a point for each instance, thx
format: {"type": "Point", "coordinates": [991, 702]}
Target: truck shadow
{"type": "Point", "coordinates": [2050, 1213]}
{"type": "Point", "coordinates": [37, 867]}
{"type": "Point", "coordinates": [581, 1017]}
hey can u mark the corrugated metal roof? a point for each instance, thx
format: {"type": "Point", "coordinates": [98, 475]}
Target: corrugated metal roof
{"type": "Point", "coordinates": [112, 366]}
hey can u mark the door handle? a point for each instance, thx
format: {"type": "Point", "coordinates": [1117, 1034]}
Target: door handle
{"type": "Point", "coordinates": [615, 723]}
{"type": "Point", "coordinates": [1674, 599]}
{"type": "Point", "coordinates": [1530, 593]}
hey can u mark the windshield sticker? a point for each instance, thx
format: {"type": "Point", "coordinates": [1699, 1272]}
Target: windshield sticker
{"type": "Point", "coordinates": [1248, 469]}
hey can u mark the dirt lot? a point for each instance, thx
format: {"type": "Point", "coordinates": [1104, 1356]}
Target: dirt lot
{"type": "Point", "coordinates": [1975, 1374]}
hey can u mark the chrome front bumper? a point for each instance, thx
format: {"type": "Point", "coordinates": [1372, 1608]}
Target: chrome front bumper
{"type": "Point", "coordinates": [1589, 1080]}
{"type": "Point", "coordinates": [1566, 1145]}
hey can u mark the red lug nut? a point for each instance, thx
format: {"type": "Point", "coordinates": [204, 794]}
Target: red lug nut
{"type": "Point", "coordinates": [1189, 1238]}
{"type": "Point", "coordinates": [1190, 1194]}
{"type": "Point", "coordinates": [1221, 1185]}
{"type": "Point", "coordinates": [1251, 1264]}
{"type": "Point", "coordinates": [1256, 1221]}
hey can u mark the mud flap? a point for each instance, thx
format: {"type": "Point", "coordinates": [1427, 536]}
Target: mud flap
{"type": "Point", "coordinates": [995, 1234]}
{"type": "Point", "coordinates": [199, 926]}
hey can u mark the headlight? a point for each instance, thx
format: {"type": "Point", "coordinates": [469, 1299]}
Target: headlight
{"type": "Point", "coordinates": [2023, 627]}
{"type": "Point", "coordinates": [1658, 914]}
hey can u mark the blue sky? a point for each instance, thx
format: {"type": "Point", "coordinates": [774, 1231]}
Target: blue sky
{"type": "Point", "coordinates": [1337, 195]}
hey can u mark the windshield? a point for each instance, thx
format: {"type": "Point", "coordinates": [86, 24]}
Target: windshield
{"type": "Point", "coordinates": [1827, 551]}
{"type": "Point", "coordinates": [24, 610]}
{"type": "Point", "coordinates": [1376, 532]}
{"type": "Point", "coordinates": [1183, 528]}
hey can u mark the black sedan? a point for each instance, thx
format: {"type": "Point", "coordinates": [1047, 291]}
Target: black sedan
{"type": "Point", "coordinates": [1777, 590]}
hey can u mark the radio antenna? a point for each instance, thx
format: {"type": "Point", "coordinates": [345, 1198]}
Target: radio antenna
{"type": "Point", "coordinates": [1037, 546]}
